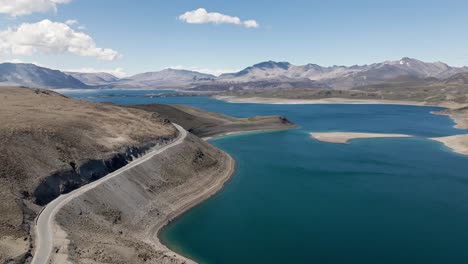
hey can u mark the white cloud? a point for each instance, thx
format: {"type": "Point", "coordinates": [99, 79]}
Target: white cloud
{"type": "Point", "coordinates": [117, 72]}
{"type": "Point", "coordinates": [215, 72]}
{"type": "Point", "coordinates": [16, 8]}
{"type": "Point", "coordinates": [251, 24]}
{"type": "Point", "coordinates": [71, 22]}
{"type": "Point", "coordinates": [201, 16]}
{"type": "Point", "coordinates": [51, 37]}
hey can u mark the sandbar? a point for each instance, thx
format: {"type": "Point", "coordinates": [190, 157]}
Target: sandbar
{"type": "Point", "coordinates": [345, 137]}
{"type": "Point", "coordinates": [265, 100]}
{"type": "Point", "coordinates": [457, 143]}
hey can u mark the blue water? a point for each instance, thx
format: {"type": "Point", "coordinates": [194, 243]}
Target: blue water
{"type": "Point", "coordinates": [294, 199]}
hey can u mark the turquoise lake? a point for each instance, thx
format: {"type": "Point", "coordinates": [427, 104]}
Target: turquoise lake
{"type": "Point", "coordinates": [294, 199]}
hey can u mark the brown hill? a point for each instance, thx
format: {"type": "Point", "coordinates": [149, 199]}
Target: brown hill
{"type": "Point", "coordinates": [206, 124]}
{"type": "Point", "coordinates": [50, 144]}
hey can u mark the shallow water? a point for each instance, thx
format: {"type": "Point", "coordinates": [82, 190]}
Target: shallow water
{"type": "Point", "coordinates": [293, 199]}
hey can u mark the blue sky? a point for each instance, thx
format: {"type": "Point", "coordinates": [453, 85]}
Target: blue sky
{"type": "Point", "coordinates": [148, 35]}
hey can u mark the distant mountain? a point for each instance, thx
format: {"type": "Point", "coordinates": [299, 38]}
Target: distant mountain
{"type": "Point", "coordinates": [168, 78]}
{"type": "Point", "coordinates": [264, 70]}
{"type": "Point", "coordinates": [459, 78]}
{"type": "Point", "coordinates": [264, 84]}
{"type": "Point", "coordinates": [98, 78]}
{"type": "Point", "coordinates": [266, 75]}
{"type": "Point", "coordinates": [343, 77]}
{"type": "Point", "coordinates": [281, 70]}
{"type": "Point", "coordinates": [30, 75]}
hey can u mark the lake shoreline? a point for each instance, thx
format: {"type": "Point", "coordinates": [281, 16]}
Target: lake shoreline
{"type": "Point", "coordinates": [457, 144]}
{"type": "Point", "coordinates": [198, 199]}
{"type": "Point", "coordinates": [245, 132]}
{"type": "Point", "coordinates": [266, 100]}
{"type": "Point", "coordinates": [189, 204]}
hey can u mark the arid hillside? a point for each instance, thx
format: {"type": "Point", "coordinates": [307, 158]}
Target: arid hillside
{"type": "Point", "coordinates": [50, 144]}
{"type": "Point", "coordinates": [206, 124]}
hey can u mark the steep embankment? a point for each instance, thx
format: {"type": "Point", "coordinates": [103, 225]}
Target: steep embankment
{"type": "Point", "coordinates": [50, 144]}
{"type": "Point", "coordinates": [118, 221]}
{"type": "Point", "coordinates": [207, 124]}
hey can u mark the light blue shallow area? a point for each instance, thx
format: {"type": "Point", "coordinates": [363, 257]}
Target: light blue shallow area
{"type": "Point", "coordinates": [294, 199]}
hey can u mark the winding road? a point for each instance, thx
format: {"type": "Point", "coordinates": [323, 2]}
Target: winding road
{"type": "Point", "coordinates": [45, 222]}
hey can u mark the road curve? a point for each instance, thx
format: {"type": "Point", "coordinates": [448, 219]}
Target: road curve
{"type": "Point", "coordinates": [44, 227]}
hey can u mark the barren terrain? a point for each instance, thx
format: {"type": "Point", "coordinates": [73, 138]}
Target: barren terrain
{"type": "Point", "coordinates": [207, 124]}
{"type": "Point", "coordinates": [50, 144]}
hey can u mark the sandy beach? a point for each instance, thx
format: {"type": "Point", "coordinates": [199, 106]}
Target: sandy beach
{"type": "Point", "coordinates": [457, 143]}
{"type": "Point", "coordinates": [345, 137]}
{"type": "Point", "coordinates": [262, 100]}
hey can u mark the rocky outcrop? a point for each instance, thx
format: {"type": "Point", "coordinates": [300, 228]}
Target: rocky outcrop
{"type": "Point", "coordinates": [77, 175]}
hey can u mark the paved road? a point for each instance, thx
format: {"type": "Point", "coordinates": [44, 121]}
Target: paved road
{"type": "Point", "coordinates": [44, 227]}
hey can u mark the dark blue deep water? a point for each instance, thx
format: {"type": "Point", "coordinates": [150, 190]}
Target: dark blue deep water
{"type": "Point", "coordinates": [293, 199]}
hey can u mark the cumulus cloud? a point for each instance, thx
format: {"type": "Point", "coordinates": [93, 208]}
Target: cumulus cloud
{"type": "Point", "coordinates": [251, 24]}
{"type": "Point", "coordinates": [51, 37]}
{"type": "Point", "coordinates": [16, 8]}
{"type": "Point", "coordinates": [201, 16]}
{"type": "Point", "coordinates": [117, 72]}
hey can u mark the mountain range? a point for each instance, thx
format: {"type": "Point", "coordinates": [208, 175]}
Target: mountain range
{"type": "Point", "coordinates": [98, 78]}
{"type": "Point", "coordinates": [30, 75]}
{"type": "Point", "coordinates": [265, 75]}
